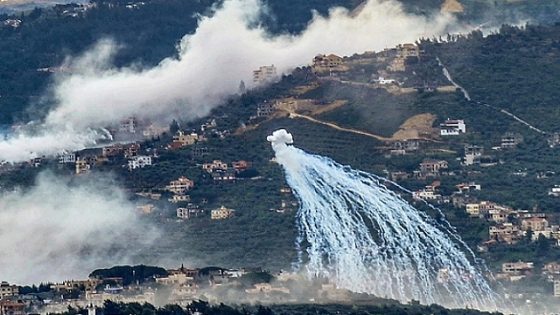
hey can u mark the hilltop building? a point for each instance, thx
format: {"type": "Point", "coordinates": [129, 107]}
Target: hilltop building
{"type": "Point", "coordinates": [327, 63]}
{"type": "Point", "coordinates": [264, 74]}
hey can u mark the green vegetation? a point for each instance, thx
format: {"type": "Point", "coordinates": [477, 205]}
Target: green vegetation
{"type": "Point", "coordinates": [201, 307]}
{"type": "Point", "coordinates": [129, 274]}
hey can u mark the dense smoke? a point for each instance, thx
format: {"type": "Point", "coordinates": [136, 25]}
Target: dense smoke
{"type": "Point", "coordinates": [224, 50]}
{"type": "Point", "coordinates": [61, 230]}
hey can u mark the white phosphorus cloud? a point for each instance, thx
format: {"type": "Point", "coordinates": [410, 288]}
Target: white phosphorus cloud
{"type": "Point", "coordinates": [224, 50]}
{"type": "Point", "coordinates": [60, 230]}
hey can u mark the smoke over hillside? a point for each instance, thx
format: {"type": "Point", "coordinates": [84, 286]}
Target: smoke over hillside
{"type": "Point", "coordinates": [61, 230]}
{"type": "Point", "coordinates": [224, 50]}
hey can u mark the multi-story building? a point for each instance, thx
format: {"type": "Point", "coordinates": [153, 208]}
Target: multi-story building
{"type": "Point", "coordinates": [264, 74]}
{"type": "Point", "coordinates": [66, 158]}
{"type": "Point", "coordinates": [215, 166]}
{"type": "Point", "coordinates": [180, 185]}
{"type": "Point", "coordinates": [188, 212]}
{"type": "Point", "coordinates": [139, 161]}
{"type": "Point", "coordinates": [453, 127]}
{"type": "Point", "coordinates": [7, 290]}
{"type": "Point", "coordinates": [433, 167]}
{"type": "Point", "coordinates": [506, 232]}
{"type": "Point", "coordinates": [519, 267]}
{"type": "Point", "coordinates": [534, 224]}
{"type": "Point", "coordinates": [222, 213]}
{"type": "Point", "coordinates": [82, 166]}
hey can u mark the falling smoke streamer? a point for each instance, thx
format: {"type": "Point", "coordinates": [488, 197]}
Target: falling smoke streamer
{"type": "Point", "coordinates": [367, 239]}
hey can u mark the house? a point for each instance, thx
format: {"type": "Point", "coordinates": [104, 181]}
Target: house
{"type": "Point", "coordinates": [139, 161]}
{"type": "Point", "coordinates": [452, 127]}
{"type": "Point", "coordinates": [131, 150]}
{"type": "Point", "coordinates": [188, 212]}
{"type": "Point", "coordinates": [67, 158]}
{"type": "Point", "coordinates": [222, 213]}
{"type": "Point", "coordinates": [405, 146]}
{"type": "Point", "coordinates": [14, 23]}
{"type": "Point", "coordinates": [266, 109]}
{"type": "Point", "coordinates": [8, 307]}
{"type": "Point", "coordinates": [433, 167]}
{"type": "Point", "coordinates": [498, 215]}
{"type": "Point", "coordinates": [7, 290]}
{"type": "Point", "coordinates": [224, 175]}
{"type": "Point", "coordinates": [467, 187]}
{"type": "Point", "coordinates": [327, 63]}
{"type": "Point", "coordinates": [519, 267]}
{"type": "Point", "coordinates": [241, 165]}
{"type": "Point", "coordinates": [383, 81]}
{"type": "Point", "coordinates": [554, 140]}
{"type": "Point", "coordinates": [82, 166]}
{"type": "Point", "coordinates": [112, 150]}
{"type": "Point", "coordinates": [264, 74]}
{"type": "Point", "coordinates": [506, 232]}
{"type": "Point", "coordinates": [179, 198]}
{"type": "Point", "coordinates": [128, 125]}
{"type": "Point", "coordinates": [472, 154]}
{"type": "Point", "coordinates": [180, 185]}
{"type": "Point", "coordinates": [408, 50]}
{"type": "Point", "coordinates": [36, 162]}
{"type": "Point", "coordinates": [181, 139]}
{"type": "Point", "coordinates": [428, 193]}
{"type": "Point", "coordinates": [215, 166]}
{"type": "Point", "coordinates": [534, 224]}
{"type": "Point", "coordinates": [556, 288]}
{"type": "Point", "coordinates": [461, 200]}
{"type": "Point", "coordinates": [554, 191]}
{"type": "Point", "coordinates": [510, 140]}
{"type": "Point", "coordinates": [473, 209]}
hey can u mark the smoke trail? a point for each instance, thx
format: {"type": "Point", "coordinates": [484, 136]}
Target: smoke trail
{"type": "Point", "coordinates": [225, 49]}
{"type": "Point", "coordinates": [366, 238]}
{"type": "Point", "coordinates": [60, 229]}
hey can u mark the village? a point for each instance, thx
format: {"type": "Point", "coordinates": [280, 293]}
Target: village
{"type": "Point", "coordinates": [180, 286]}
{"type": "Point", "coordinates": [139, 145]}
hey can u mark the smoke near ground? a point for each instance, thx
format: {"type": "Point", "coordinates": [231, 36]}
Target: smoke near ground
{"type": "Point", "coordinates": [60, 230]}
{"type": "Point", "coordinates": [224, 50]}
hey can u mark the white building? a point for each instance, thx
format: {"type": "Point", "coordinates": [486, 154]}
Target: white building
{"type": "Point", "coordinates": [139, 161]}
{"type": "Point", "coordinates": [554, 191]}
{"type": "Point", "coordinates": [453, 127]}
{"type": "Point", "coordinates": [67, 158]}
{"type": "Point", "coordinates": [383, 81]}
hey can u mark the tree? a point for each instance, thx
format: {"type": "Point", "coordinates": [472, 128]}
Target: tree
{"type": "Point", "coordinates": [174, 127]}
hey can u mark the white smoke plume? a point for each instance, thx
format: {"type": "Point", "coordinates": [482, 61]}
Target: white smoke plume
{"type": "Point", "coordinates": [60, 230]}
{"type": "Point", "coordinates": [225, 49]}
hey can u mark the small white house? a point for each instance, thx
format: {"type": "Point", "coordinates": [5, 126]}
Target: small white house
{"type": "Point", "coordinates": [139, 161]}
{"type": "Point", "coordinates": [383, 81]}
{"type": "Point", "coordinates": [453, 127]}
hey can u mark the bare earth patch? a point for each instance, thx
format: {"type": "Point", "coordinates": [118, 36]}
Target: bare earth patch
{"type": "Point", "coordinates": [416, 127]}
